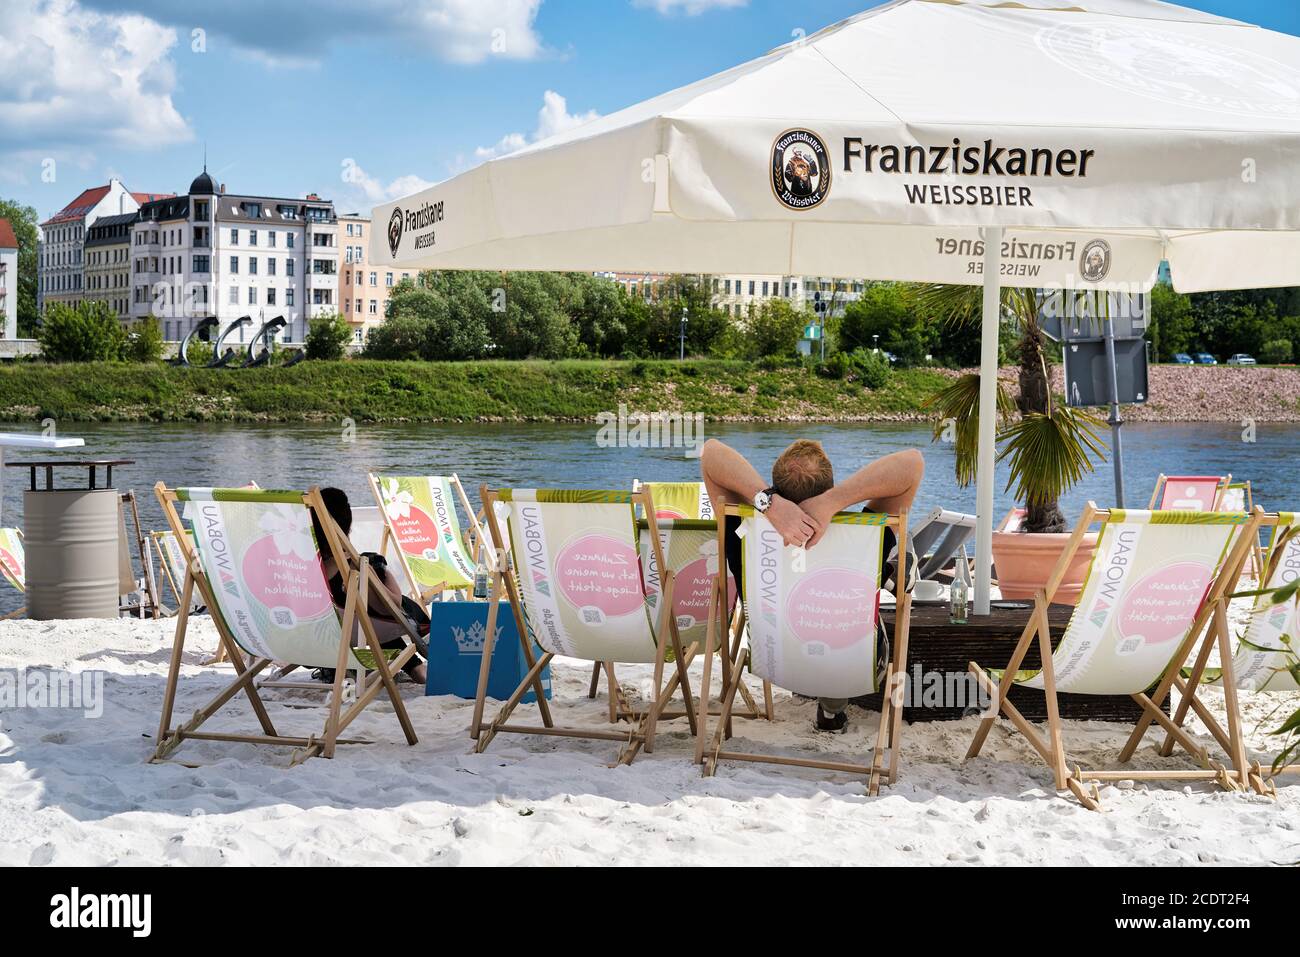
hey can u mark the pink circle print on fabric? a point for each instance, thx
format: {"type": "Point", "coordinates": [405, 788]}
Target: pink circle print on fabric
{"type": "Point", "coordinates": [832, 606]}
{"type": "Point", "coordinates": [10, 561]}
{"type": "Point", "coordinates": [694, 587]}
{"type": "Point", "coordinates": [284, 581]}
{"type": "Point", "coordinates": [1159, 607]}
{"type": "Point", "coordinates": [600, 572]}
{"type": "Point", "coordinates": [416, 533]}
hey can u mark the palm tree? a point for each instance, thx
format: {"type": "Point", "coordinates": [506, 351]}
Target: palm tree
{"type": "Point", "coordinates": [1050, 446]}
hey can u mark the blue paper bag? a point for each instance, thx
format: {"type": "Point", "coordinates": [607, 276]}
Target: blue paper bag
{"type": "Point", "coordinates": [457, 635]}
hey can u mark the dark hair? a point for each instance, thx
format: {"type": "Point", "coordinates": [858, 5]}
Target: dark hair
{"type": "Point", "coordinates": [340, 510]}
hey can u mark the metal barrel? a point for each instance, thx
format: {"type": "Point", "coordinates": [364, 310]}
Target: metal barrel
{"type": "Point", "coordinates": [72, 541]}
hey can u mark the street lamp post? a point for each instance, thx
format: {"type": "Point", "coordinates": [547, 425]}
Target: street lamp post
{"type": "Point", "coordinates": [683, 334]}
{"type": "Point", "coordinates": [875, 343]}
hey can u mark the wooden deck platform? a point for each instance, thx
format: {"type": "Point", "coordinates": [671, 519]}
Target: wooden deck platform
{"type": "Point", "coordinates": [939, 652]}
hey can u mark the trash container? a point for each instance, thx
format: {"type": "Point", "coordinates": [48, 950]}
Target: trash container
{"type": "Point", "coordinates": [71, 537]}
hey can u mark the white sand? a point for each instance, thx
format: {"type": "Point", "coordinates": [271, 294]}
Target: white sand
{"type": "Point", "coordinates": [78, 791]}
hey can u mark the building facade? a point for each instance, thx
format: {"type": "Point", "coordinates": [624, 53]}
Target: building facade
{"type": "Point", "coordinates": [108, 263]}
{"type": "Point", "coordinates": [61, 253]}
{"type": "Point", "coordinates": [214, 254]}
{"type": "Point", "coordinates": [638, 285]}
{"type": "Point", "coordinates": [8, 281]}
{"type": "Point", "coordinates": [363, 289]}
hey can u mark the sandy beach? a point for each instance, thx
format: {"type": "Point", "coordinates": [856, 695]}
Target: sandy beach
{"type": "Point", "coordinates": [77, 790]}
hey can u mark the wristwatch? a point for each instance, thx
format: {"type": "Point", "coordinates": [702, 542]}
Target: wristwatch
{"type": "Point", "coordinates": [763, 500]}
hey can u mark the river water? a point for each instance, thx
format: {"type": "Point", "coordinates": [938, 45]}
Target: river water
{"type": "Point", "coordinates": [544, 455]}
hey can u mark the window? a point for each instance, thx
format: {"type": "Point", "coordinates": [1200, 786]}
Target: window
{"type": "Point", "coordinates": [288, 267]}
{"type": "Point", "coordinates": [202, 264]}
{"type": "Point", "coordinates": [321, 297]}
{"type": "Point", "coordinates": [253, 210]}
{"type": "Point", "coordinates": [252, 295]}
{"type": "Point", "coordinates": [234, 237]}
{"type": "Point", "coordinates": [234, 295]}
{"type": "Point", "coordinates": [349, 231]}
{"type": "Point", "coordinates": [201, 209]}
{"type": "Point", "coordinates": [360, 230]}
{"type": "Point", "coordinates": [270, 297]}
{"type": "Point", "coordinates": [388, 279]}
{"type": "Point", "coordinates": [270, 238]}
{"type": "Point", "coordinates": [288, 296]}
{"type": "Point", "coordinates": [288, 240]}
{"type": "Point", "coordinates": [358, 305]}
{"type": "Point", "coordinates": [751, 287]}
{"type": "Point", "coordinates": [234, 264]}
{"type": "Point", "coordinates": [374, 279]}
{"type": "Point", "coordinates": [347, 305]}
{"type": "Point", "coordinates": [252, 237]}
{"type": "Point", "coordinates": [288, 212]}
{"type": "Point", "coordinates": [270, 265]}
{"type": "Point", "coordinates": [374, 307]}
{"type": "Point", "coordinates": [252, 265]}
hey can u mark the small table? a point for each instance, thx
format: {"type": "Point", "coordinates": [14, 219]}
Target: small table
{"type": "Point", "coordinates": [943, 652]}
{"type": "Point", "coordinates": [28, 440]}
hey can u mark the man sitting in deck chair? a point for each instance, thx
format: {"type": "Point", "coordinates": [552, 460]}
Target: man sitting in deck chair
{"type": "Point", "coordinates": [258, 565]}
{"type": "Point", "coordinates": [800, 502]}
{"type": "Point", "coordinates": [1159, 583]}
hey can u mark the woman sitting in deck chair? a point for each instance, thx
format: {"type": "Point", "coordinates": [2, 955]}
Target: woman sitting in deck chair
{"type": "Point", "coordinates": [391, 633]}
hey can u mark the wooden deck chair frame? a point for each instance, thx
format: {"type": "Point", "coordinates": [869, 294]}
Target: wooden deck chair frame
{"type": "Point", "coordinates": [425, 595]}
{"type": "Point", "coordinates": [504, 586]}
{"type": "Point", "coordinates": [1189, 683]}
{"type": "Point", "coordinates": [1211, 621]}
{"type": "Point", "coordinates": [1256, 553]}
{"type": "Point", "coordinates": [146, 587]}
{"type": "Point", "coordinates": [889, 733]}
{"type": "Point", "coordinates": [618, 709]}
{"type": "Point", "coordinates": [359, 581]}
{"type": "Point", "coordinates": [1162, 480]}
{"type": "Point", "coordinates": [18, 612]}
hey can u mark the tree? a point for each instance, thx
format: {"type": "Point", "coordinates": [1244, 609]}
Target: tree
{"type": "Point", "coordinates": [456, 304]}
{"type": "Point", "coordinates": [532, 324]}
{"type": "Point", "coordinates": [87, 332]}
{"type": "Point", "coordinates": [23, 220]}
{"type": "Point", "coordinates": [145, 341]}
{"type": "Point", "coordinates": [327, 336]}
{"type": "Point", "coordinates": [775, 328]}
{"type": "Point", "coordinates": [887, 316]}
{"type": "Point", "coordinates": [1173, 327]}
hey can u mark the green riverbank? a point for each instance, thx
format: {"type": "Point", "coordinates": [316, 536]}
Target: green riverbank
{"type": "Point", "coordinates": [370, 391]}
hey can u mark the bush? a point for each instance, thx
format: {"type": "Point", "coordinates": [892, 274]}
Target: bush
{"type": "Point", "coordinates": [199, 352]}
{"type": "Point", "coordinates": [775, 328]}
{"type": "Point", "coordinates": [327, 337]}
{"type": "Point", "coordinates": [399, 338]}
{"type": "Point", "coordinates": [870, 368]}
{"type": "Point", "coordinates": [1276, 351]}
{"type": "Point", "coordinates": [90, 332]}
{"type": "Point", "coordinates": [145, 341]}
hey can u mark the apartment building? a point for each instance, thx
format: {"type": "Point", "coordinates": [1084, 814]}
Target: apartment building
{"type": "Point", "coordinates": [647, 286]}
{"type": "Point", "coordinates": [108, 263]}
{"type": "Point", "coordinates": [363, 289]}
{"type": "Point", "coordinates": [61, 252]}
{"type": "Point", "coordinates": [8, 281]}
{"type": "Point", "coordinates": [215, 254]}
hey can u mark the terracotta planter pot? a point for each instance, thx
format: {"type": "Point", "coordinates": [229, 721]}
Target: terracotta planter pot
{"type": "Point", "coordinates": [1024, 560]}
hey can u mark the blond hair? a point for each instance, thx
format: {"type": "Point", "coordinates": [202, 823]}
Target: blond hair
{"type": "Point", "coordinates": [802, 471]}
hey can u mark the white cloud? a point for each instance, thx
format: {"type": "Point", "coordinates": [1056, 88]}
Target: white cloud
{"type": "Point", "coordinates": [691, 8]}
{"type": "Point", "coordinates": [554, 117]}
{"type": "Point", "coordinates": [363, 191]}
{"type": "Point", "coordinates": [288, 33]}
{"type": "Point", "coordinates": [73, 78]}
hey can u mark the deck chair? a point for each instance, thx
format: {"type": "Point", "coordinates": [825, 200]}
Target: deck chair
{"type": "Point", "coordinates": [576, 589]}
{"type": "Point", "coordinates": [420, 516]}
{"type": "Point", "coordinates": [813, 631]}
{"type": "Point", "coordinates": [137, 595]}
{"type": "Point", "coordinates": [255, 560]}
{"type": "Point", "coordinates": [939, 538]}
{"type": "Point", "coordinates": [1238, 497]}
{"type": "Point", "coordinates": [679, 500]}
{"type": "Point", "coordinates": [1189, 493]}
{"type": "Point", "coordinates": [13, 564]}
{"type": "Point", "coordinates": [171, 563]}
{"type": "Point", "coordinates": [1014, 520]}
{"type": "Point", "coordinates": [1159, 584]}
{"type": "Point", "coordinates": [1267, 659]}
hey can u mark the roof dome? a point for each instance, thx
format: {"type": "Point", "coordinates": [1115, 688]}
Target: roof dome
{"type": "Point", "coordinates": [203, 185]}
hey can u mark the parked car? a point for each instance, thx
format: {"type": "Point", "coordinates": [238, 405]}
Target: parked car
{"type": "Point", "coordinates": [1241, 359]}
{"type": "Point", "coordinates": [1205, 359]}
{"type": "Point", "coordinates": [1183, 359]}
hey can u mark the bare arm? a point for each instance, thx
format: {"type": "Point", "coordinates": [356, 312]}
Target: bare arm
{"type": "Point", "coordinates": [731, 480]}
{"type": "Point", "coordinates": [887, 485]}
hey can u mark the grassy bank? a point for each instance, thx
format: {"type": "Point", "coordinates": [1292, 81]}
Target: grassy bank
{"type": "Point", "coordinates": [449, 392]}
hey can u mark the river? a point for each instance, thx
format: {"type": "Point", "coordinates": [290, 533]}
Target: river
{"type": "Point", "coordinates": [544, 455]}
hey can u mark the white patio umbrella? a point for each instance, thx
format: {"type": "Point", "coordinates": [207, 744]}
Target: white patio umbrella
{"type": "Point", "coordinates": [1041, 143]}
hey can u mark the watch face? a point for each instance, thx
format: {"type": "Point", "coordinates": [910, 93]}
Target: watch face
{"type": "Point", "coordinates": [761, 501]}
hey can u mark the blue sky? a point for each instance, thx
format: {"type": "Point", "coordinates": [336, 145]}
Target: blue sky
{"type": "Point", "coordinates": [358, 100]}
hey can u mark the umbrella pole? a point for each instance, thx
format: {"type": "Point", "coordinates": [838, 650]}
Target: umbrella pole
{"type": "Point", "coordinates": [984, 474]}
